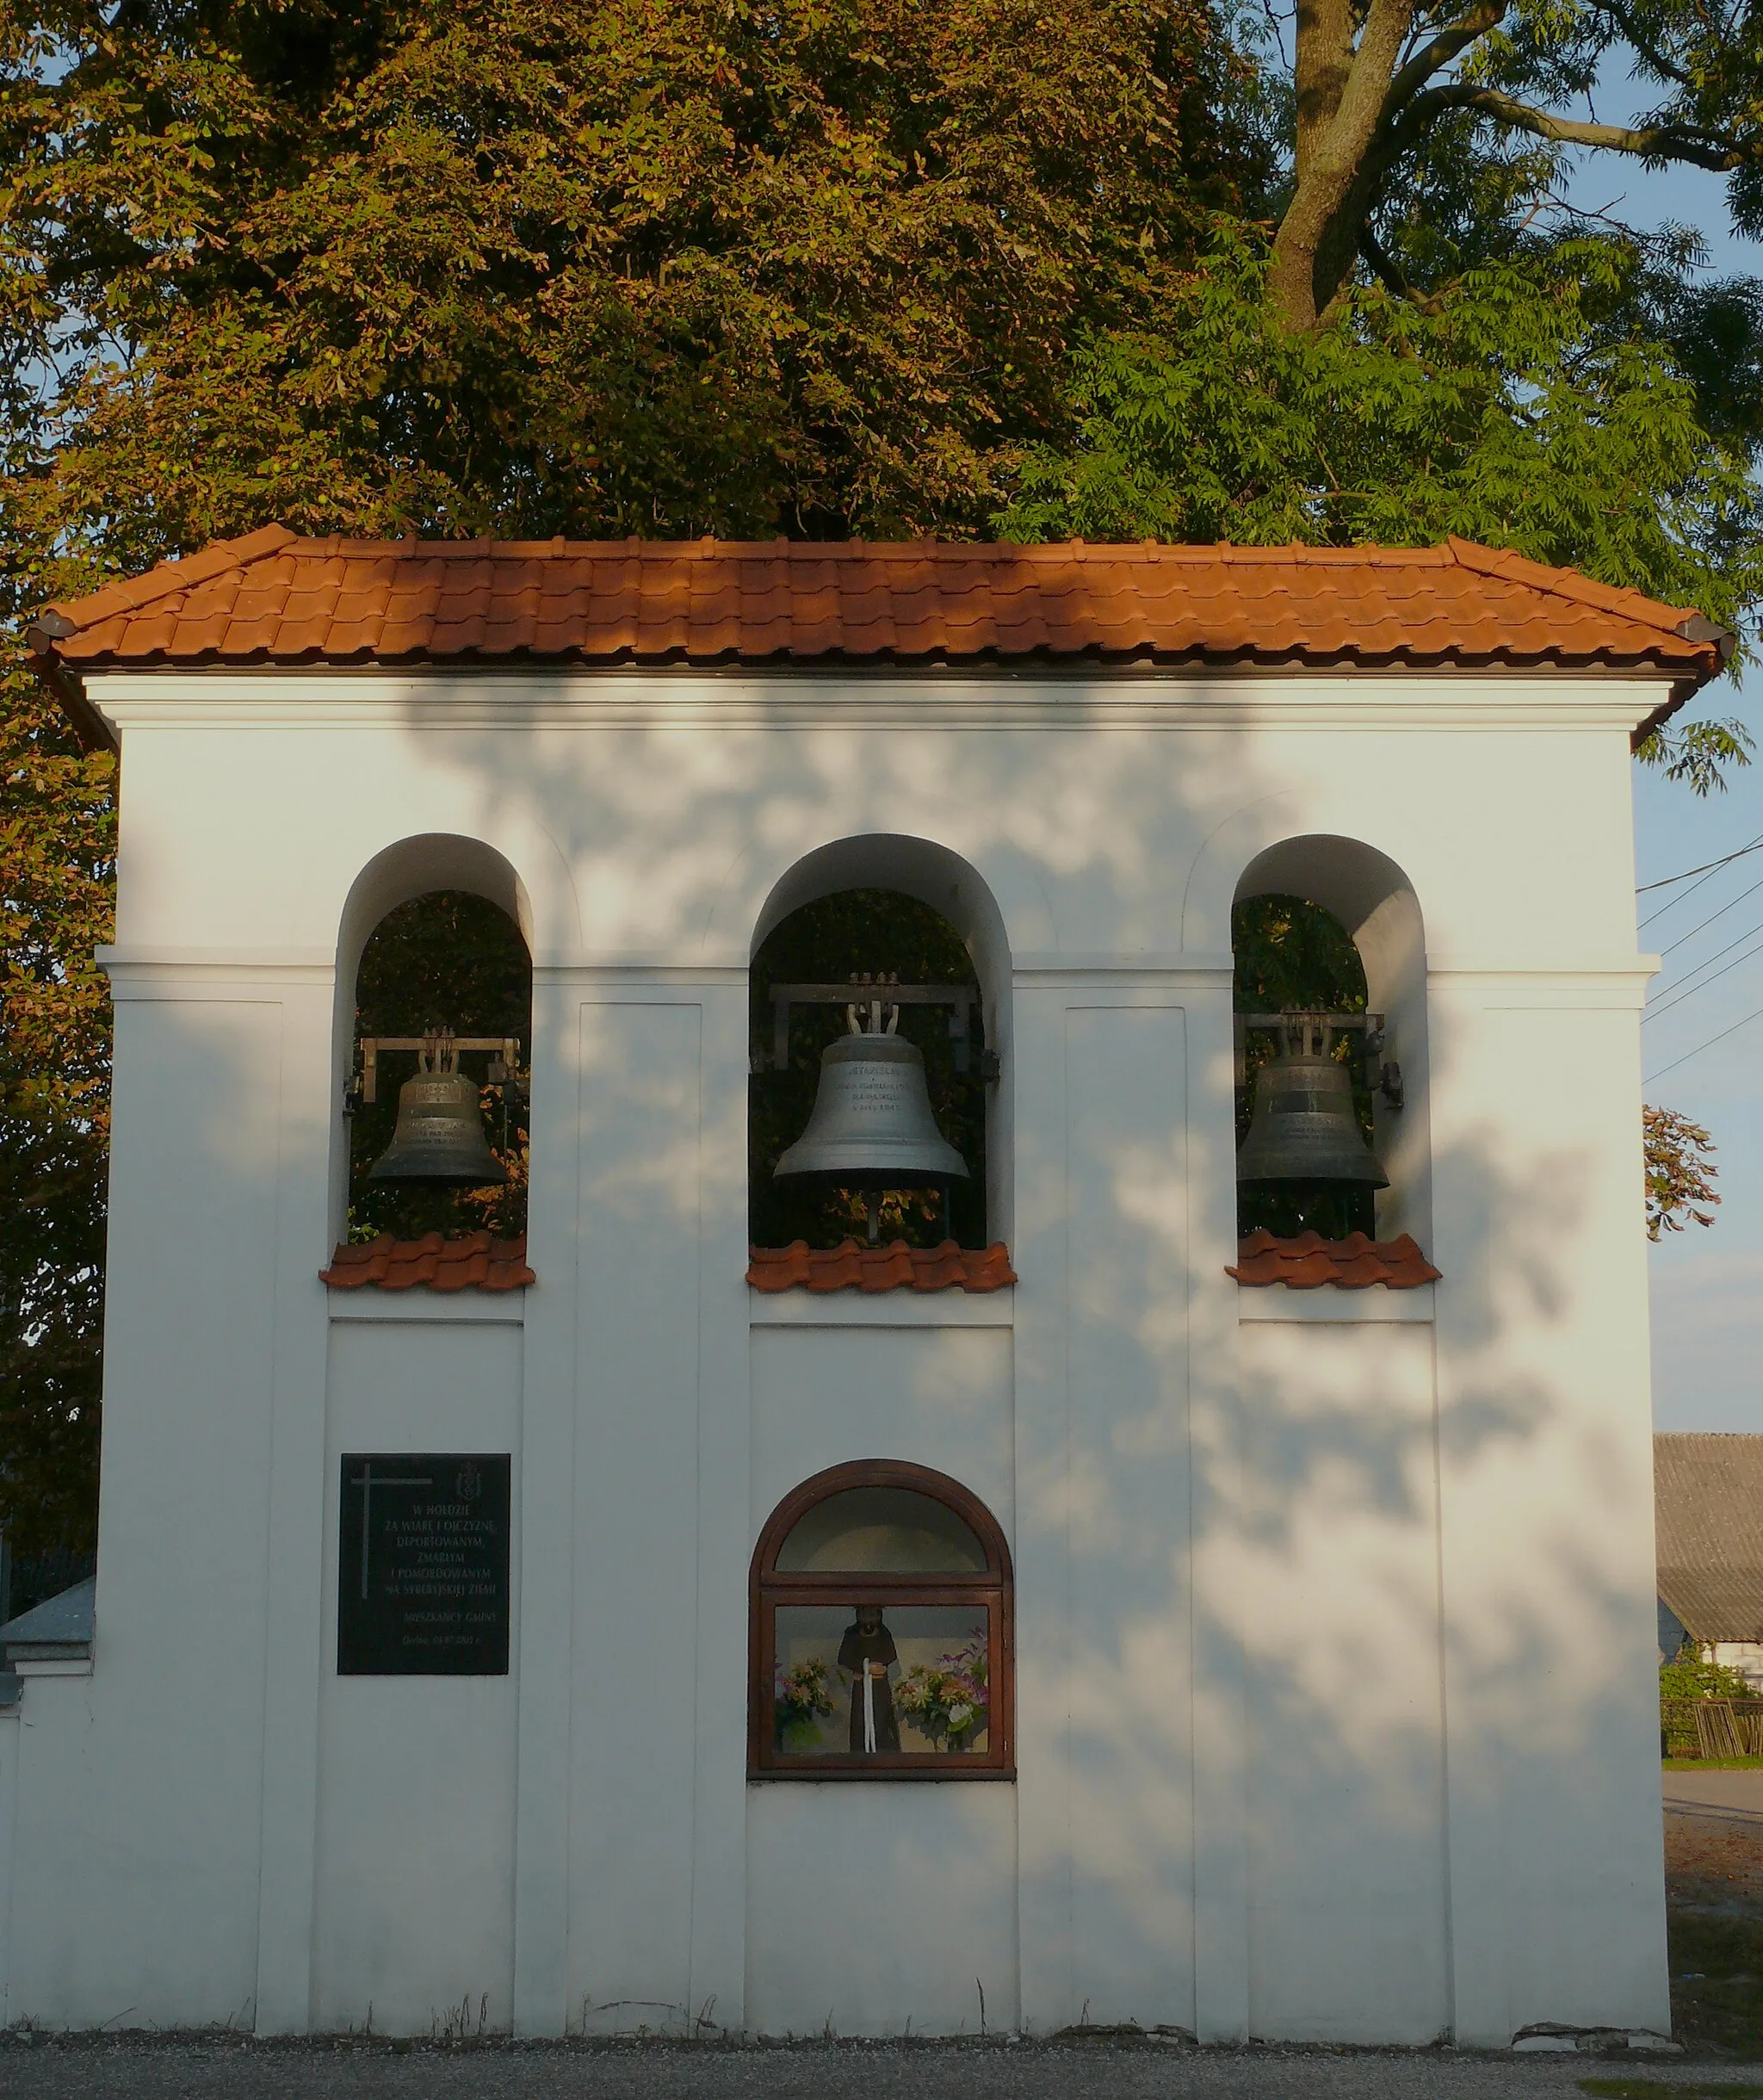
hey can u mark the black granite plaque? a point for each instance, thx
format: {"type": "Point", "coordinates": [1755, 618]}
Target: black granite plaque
{"type": "Point", "coordinates": [422, 1568]}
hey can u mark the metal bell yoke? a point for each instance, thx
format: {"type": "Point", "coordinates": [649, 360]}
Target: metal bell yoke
{"type": "Point", "coordinates": [1303, 1127]}
{"type": "Point", "coordinates": [872, 1126]}
{"type": "Point", "coordinates": [439, 1136]}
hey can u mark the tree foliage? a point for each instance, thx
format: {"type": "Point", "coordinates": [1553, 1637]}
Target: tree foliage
{"type": "Point", "coordinates": [1680, 1180]}
{"type": "Point", "coordinates": [1691, 1674]}
{"type": "Point", "coordinates": [1505, 417]}
{"type": "Point", "coordinates": [586, 266]}
{"type": "Point", "coordinates": [1514, 413]}
{"type": "Point", "coordinates": [57, 830]}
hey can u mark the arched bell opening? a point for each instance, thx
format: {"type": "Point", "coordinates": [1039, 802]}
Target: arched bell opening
{"type": "Point", "coordinates": [1329, 928]}
{"type": "Point", "coordinates": [435, 975]}
{"type": "Point", "coordinates": [884, 906]}
{"type": "Point", "coordinates": [870, 1065]}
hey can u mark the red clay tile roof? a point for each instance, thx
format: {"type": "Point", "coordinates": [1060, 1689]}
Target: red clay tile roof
{"type": "Point", "coordinates": [1352, 1264]}
{"type": "Point", "coordinates": [475, 1262]}
{"type": "Point", "coordinates": [273, 598]}
{"type": "Point", "coordinates": [893, 1267]}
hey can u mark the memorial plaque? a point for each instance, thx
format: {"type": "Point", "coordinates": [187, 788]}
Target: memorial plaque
{"type": "Point", "coordinates": [423, 1583]}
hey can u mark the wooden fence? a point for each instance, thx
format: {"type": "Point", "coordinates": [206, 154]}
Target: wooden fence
{"type": "Point", "coordinates": [1710, 1727]}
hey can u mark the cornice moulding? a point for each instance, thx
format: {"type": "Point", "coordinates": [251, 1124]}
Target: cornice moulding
{"type": "Point", "coordinates": [566, 699]}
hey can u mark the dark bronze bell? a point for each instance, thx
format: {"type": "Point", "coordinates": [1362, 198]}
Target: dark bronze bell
{"type": "Point", "coordinates": [1303, 1128]}
{"type": "Point", "coordinates": [872, 1125]}
{"type": "Point", "coordinates": [439, 1135]}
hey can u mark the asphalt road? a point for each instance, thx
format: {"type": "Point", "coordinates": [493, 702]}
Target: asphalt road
{"type": "Point", "coordinates": [1726, 1797]}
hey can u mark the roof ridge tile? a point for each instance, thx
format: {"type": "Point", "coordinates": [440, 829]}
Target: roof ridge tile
{"type": "Point", "coordinates": [1571, 583]}
{"type": "Point", "coordinates": [180, 573]}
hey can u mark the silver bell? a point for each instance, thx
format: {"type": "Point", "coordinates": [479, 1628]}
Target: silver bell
{"type": "Point", "coordinates": [871, 1126]}
{"type": "Point", "coordinates": [439, 1135]}
{"type": "Point", "coordinates": [1303, 1127]}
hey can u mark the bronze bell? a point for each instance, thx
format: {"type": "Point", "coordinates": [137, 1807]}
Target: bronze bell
{"type": "Point", "coordinates": [439, 1135]}
{"type": "Point", "coordinates": [1303, 1128]}
{"type": "Point", "coordinates": [872, 1125]}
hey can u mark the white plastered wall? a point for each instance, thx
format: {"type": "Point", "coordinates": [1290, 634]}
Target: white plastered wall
{"type": "Point", "coordinates": [1167, 1477]}
{"type": "Point", "coordinates": [413, 1901]}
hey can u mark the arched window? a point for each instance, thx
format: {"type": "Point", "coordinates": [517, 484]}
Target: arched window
{"type": "Point", "coordinates": [881, 1638]}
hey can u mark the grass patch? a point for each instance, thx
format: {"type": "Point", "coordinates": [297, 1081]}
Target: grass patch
{"type": "Point", "coordinates": [1716, 1984]}
{"type": "Point", "coordinates": [1712, 1764]}
{"type": "Point", "coordinates": [1646, 2089]}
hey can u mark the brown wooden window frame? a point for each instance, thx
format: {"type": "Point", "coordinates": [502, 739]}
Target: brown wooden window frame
{"type": "Point", "coordinates": [769, 1587]}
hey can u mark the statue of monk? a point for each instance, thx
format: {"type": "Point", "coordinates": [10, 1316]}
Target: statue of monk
{"type": "Point", "coordinates": [865, 1656]}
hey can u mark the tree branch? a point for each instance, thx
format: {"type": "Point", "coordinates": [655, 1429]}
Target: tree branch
{"type": "Point", "coordinates": [1625, 21]}
{"type": "Point", "coordinates": [1439, 50]}
{"type": "Point", "coordinates": [1646, 142]}
{"type": "Point", "coordinates": [1389, 273]}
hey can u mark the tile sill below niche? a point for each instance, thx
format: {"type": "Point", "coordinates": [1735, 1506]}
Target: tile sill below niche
{"type": "Point", "coordinates": [923, 1287]}
{"type": "Point", "coordinates": [473, 1279]}
{"type": "Point", "coordinates": [1332, 1282]}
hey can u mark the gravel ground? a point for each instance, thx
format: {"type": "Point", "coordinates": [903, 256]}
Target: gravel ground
{"type": "Point", "coordinates": [174, 2069]}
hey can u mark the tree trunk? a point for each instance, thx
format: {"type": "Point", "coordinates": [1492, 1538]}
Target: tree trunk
{"type": "Point", "coordinates": [1342, 89]}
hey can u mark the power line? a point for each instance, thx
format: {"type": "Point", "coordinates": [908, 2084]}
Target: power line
{"type": "Point", "coordinates": [1707, 875]}
{"type": "Point", "coordinates": [1681, 987]}
{"type": "Point", "coordinates": [1700, 1047]}
{"type": "Point", "coordinates": [1654, 1012]}
{"type": "Point", "coordinates": [1707, 867]}
{"type": "Point", "coordinates": [1711, 917]}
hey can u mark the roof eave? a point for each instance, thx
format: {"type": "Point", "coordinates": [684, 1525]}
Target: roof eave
{"type": "Point", "coordinates": [1721, 645]}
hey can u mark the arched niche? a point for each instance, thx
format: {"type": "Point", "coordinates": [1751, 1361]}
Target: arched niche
{"type": "Point", "coordinates": [883, 1571]}
{"type": "Point", "coordinates": [1373, 899]}
{"type": "Point", "coordinates": [412, 868]}
{"type": "Point", "coordinates": [951, 886]}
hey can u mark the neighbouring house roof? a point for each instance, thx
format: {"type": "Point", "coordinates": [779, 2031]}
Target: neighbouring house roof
{"type": "Point", "coordinates": [273, 598]}
{"type": "Point", "coordinates": [1309, 1262]}
{"type": "Point", "coordinates": [895, 1267]}
{"type": "Point", "coordinates": [474, 1262]}
{"type": "Point", "coordinates": [56, 1628]}
{"type": "Point", "coordinates": [1708, 1511]}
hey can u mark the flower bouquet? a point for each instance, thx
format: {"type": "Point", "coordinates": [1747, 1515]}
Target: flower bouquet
{"type": "Point", "coordinates": [802, 1702]}
{"type": "Point", "coordinates": [946, 1701]}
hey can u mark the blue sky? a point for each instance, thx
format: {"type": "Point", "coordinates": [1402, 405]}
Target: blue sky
{"type": "Point", "coordinates": [1707, 1286]}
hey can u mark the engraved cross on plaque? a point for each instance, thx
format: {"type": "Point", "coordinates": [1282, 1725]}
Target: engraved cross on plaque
{"type": "Point", "coordinates": [366, 1481]}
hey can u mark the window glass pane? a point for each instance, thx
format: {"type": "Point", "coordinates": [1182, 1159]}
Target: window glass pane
{"type": "Point", "coordinates": [926, 1672]}
{"type": "Point", "coordinates": [882, 1530]}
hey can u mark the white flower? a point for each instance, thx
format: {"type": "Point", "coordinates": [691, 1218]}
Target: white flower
{"type": "Point", "coordinates": [960, 1715]}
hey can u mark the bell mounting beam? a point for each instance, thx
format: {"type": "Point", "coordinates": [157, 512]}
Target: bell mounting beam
{"type": "Point", "coordinates": [1303, 1013]}
{"type": "Point", "coordinates": [1387, 1078]}
{"type": "Point", "coordinates": [507, 1048]}
{"type": "Point", "coordinates": [961, 998]}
